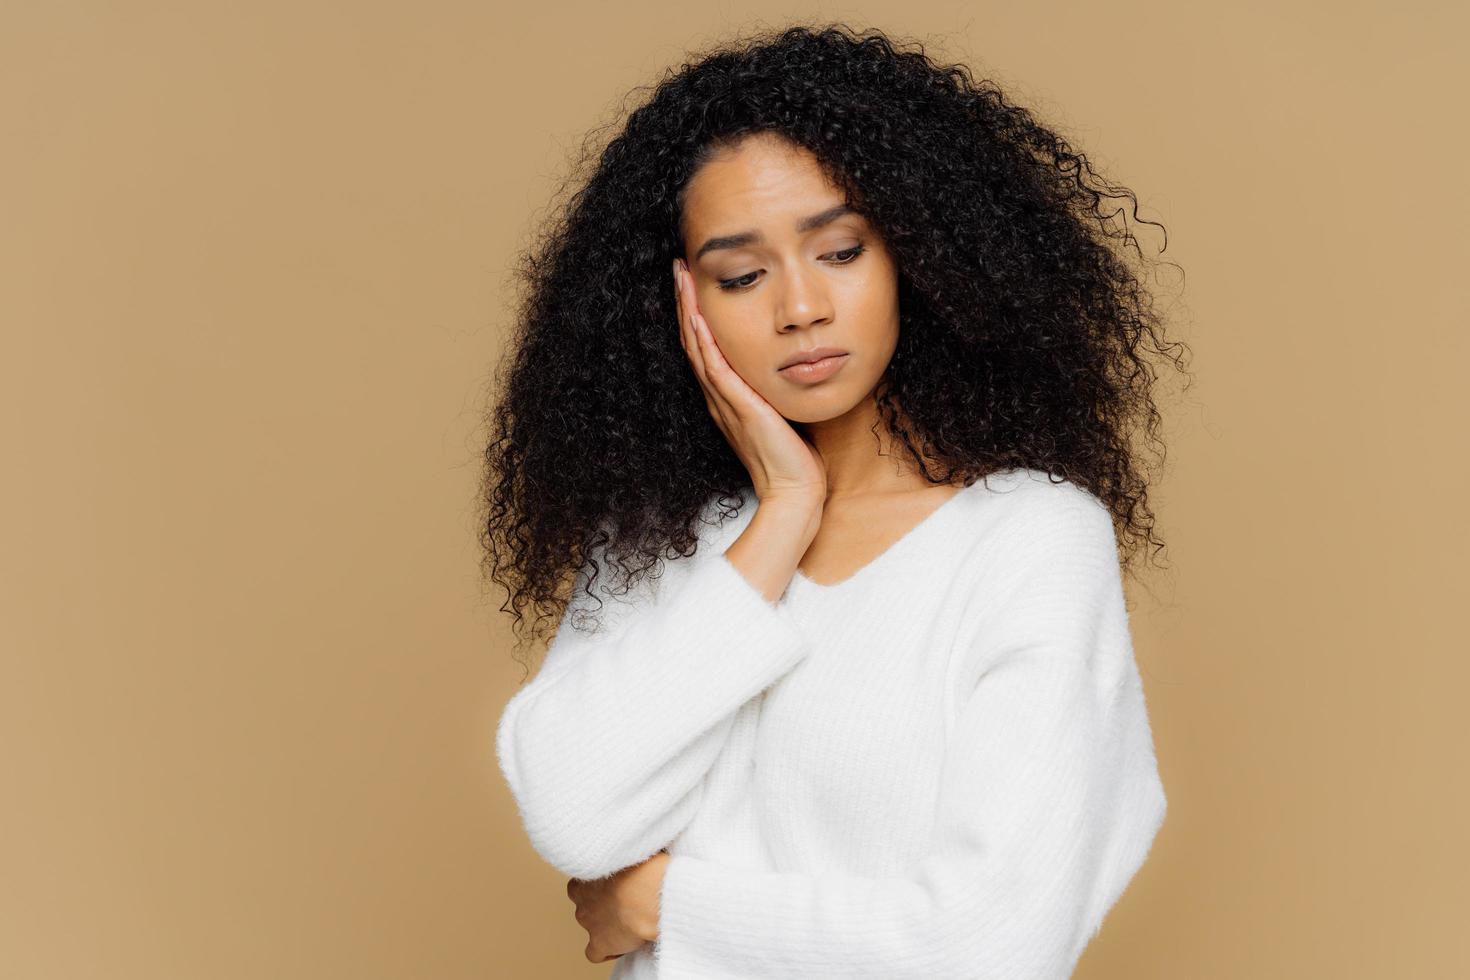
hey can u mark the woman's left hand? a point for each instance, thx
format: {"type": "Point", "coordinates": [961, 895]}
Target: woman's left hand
{"type": "Point", "coordinates": [620, 913]}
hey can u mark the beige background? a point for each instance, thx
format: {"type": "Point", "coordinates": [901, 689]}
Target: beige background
{"type": "Point", "coordinates": [252, 283]}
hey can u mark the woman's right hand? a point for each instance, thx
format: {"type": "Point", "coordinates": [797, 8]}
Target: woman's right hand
{"type": "Point", "coordinates": [782, 464]}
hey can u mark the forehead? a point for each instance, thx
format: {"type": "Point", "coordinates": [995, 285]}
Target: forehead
{"type": "Point", "coordinates": [762, 181]}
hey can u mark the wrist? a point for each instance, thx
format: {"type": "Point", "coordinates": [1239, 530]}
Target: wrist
{"type": "Point", "coordinates": [646, 925]}
{"type": "Point", "coordinates": [798, 516]}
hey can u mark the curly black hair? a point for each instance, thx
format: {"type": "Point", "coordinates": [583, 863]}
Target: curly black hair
{"type": "Point", "coordinates": [1025, 332]}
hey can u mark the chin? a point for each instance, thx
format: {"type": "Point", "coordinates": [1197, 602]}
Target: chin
{"type": "Point", "coordinates": [818, 406]}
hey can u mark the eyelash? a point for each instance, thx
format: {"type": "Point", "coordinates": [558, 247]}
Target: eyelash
{"type": "Point", "coordinates": [728, 285]}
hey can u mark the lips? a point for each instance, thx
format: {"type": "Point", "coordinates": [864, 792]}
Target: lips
{"type": "Point", "coordinates": [814, 372]}
{"type": "Point", "coordinates": [809, 355]}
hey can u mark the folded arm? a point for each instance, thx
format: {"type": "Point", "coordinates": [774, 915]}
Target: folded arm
{"type": "Point", "coordinates": [606, 749]}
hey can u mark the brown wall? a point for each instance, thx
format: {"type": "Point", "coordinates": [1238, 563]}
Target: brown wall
{"type": "Point", "coordinates": [252, 281]}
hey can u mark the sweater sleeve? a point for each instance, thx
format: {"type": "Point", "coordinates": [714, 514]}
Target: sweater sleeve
{"type": "Point", "coordinates": [605, 750]}
{"type": "Point", "coordinates": [1050, 801]}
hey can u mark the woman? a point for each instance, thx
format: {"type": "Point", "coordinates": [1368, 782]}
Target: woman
{"type": "Point", "coordinates": [835, 338]}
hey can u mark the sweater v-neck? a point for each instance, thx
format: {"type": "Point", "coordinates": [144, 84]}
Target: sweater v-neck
{"type": "Point", "coordinates": [801, 582]}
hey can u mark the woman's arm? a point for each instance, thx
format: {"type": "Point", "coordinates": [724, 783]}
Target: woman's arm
{"type": "Point", "coordinates": [606, 749]}
{"type": "Point", "coordinates": [1051, 801]}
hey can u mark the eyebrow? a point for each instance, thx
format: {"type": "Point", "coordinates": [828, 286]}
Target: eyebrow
{"type": "Point", "coordinates": [753, 237]}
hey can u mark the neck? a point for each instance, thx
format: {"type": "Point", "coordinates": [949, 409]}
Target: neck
{"type": "Point", "coordinates": [861, 456]}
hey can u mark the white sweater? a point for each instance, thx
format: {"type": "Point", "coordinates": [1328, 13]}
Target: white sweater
{"type": "Point", "coordinates": [940, 767]}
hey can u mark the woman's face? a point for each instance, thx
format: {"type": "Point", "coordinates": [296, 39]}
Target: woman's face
{"type": "Point", "coordinates": [780, 267]}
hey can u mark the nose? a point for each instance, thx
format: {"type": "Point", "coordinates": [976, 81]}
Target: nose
{"type": "Point", "coordinates": [803, 300]}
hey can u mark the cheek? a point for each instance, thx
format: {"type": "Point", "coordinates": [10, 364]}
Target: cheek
{"type": "Point", "coordinates": [751, 360]}
{"type": "Point", "coordinates": [754, 361]}
{"type": "Point", "coordinates": [871, 309]}
{"type": "Point", "coordinates": [875, 296]}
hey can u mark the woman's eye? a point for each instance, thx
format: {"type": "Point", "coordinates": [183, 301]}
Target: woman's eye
{"type": "Point", "coordinates": [734, 284]}
{"type": "Point", "coordinates": [844, 257]}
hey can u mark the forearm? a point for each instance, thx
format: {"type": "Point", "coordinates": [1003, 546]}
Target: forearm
{"type": "Point", "coordinates": [606, 750]}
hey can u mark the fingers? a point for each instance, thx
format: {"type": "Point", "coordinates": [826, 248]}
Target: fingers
{"type": "Point", "coordinates": [716, 369]}
{"type": "Point", "coordinates": [722, 385]}
{"type": "Point", "coordinates": [688, 308]}
{"type": "Point", "coordinates": [694, 335]}
{"type": "Point", "coordinates": [679, 306]}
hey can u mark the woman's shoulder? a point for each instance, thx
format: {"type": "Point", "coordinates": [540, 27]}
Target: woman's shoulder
{"type": "Point", "coordinates": [1024, 495]}
{"type": "Point", "coordinates": [1021, 515]}
{"type": "Point", "coordinates": [725, 514]}
{"type": "Point", "coordinates": [620, 584]}
{"type": "Point", "coordinates": [1044, 558]}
